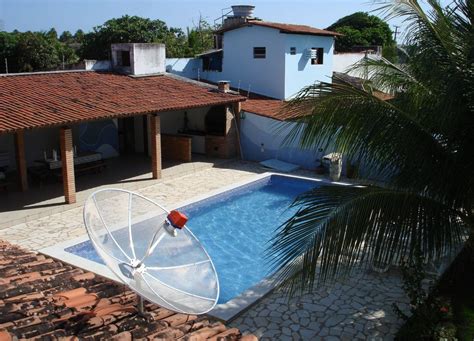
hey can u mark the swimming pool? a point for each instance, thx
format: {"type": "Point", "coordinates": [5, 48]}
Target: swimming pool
{"type": "Point", "coordinates": [234, 226]}
{"type": "Point", "coordinates": [233, 223]}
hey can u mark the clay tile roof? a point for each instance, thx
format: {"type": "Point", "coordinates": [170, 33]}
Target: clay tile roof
{"type": "Point", "coordinates": [263, 106]}
{"type": "Point", "coordinates": [60, 301]}
{"type": "Point", "coordinates": [285, 28]}
{"type": "Point", "coordinates": [59, 98]}
{"type": "Point", "coordinates": [268, 107]}
{"type": "Point", "coordinates": [275, 108]}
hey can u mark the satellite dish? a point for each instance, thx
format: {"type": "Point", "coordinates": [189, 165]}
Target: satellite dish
{"type": "Point", "coordinates": [151, 250]}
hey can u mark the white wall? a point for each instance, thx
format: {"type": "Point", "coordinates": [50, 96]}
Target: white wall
{"type": "Point", "coordinates": [192, 68]}
{"type": "Point", "coordinates": [173, 121]}
{"type": "Point", "coordinates": [97, 65]}
{"type": "Point", "coordinates": [299, 72]}
{"type": "Point", "coordinates": [279, 75]}
{"type": "Point", "coordinates": [342, 61]}
{"type": "Point", "coordinates": [265, 76]}
{"type": "Point", "coordinates": [144, 58]}
{"type": "Point", "coordinates": [262, 138]}
{"type": "Point", "coordinates": [148, 59]}
{"type": "Point", "coordinates": [185, 67]}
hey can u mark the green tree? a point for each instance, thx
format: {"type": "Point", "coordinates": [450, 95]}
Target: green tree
{"type": "Point", "coordinates": [79, 36]}
{"type": "Point", "coordinates": [420, 142]}
{"type": "Point", "coordinates": [52, 34]}
{"type": "Point", "coordinates": [362, 29]}
{"type": "Point", "coordinates": [200, 37]}
{"type": "Point", "coordinates": [175, 41]}
{"type": "Point", "coordinates": [36, 51]}
{"type": "Point", "coordinates": [131, 29]}
{"type": "Point", "coordinates": [8, 42]}
{"type": "Point", "coordinates": [66, 37]}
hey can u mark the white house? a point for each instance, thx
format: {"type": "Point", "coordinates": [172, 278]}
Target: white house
{"type": "Point", "coordinates": [269, 63]}
{"type": "Point", "coordinates": [271, 59]}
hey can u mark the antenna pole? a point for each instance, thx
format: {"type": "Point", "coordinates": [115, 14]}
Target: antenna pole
{"type": "Point", "coordinates": [396, 32]}
{"type": "Point", "coordinates": [6, 65]}
{"type": "Point", "coordinates": [141, 309]}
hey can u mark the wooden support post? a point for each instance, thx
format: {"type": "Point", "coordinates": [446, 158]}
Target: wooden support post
{"type": "Point", "coordinates": [155, 146]}
{"type": "Point", "coordinates": [21, 160]}
{"type": "Point", "coordinates": [67, 161]}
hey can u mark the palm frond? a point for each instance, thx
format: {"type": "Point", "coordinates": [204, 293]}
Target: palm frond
{"type": "Point", "coordinates": [338, 228]}
{"type": "Point", "coordinates": [420, 143]}
{"type": "Point", "coordinates": [385, 75]}
{"type": "Point", "coordinates": [375, 132]}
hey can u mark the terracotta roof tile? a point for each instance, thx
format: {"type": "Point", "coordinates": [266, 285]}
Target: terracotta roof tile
{"type": "Point", "coordinates": [285, 28]}
{"type": "Point", "coordinates": [5, 336]}
{"type": "Point", "coordinates": [228, 334]}
{"type": "Point", "coordinates": [275, 108]}
{"type": "Point", "coordinates": [72, 304]}
{"type": "Point", "coordinates": [268, 107]}
{"type": "Point", "coordinates": [46, 99]}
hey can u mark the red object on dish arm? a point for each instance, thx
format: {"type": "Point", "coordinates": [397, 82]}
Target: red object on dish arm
{"type": "Point", "coordinates": [177, 219]}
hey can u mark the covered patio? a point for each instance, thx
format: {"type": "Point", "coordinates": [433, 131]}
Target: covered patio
{"type": "Point", "coordinates": [131, 172]}
{"type": "Point", "coordinates": [115, 129]}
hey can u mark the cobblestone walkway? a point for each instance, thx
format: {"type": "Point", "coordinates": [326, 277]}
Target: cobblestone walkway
{"type": "Point", "coordinates": [359, 308]}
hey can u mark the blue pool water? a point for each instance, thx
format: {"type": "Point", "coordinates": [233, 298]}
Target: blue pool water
{"type": "Point", "coordinates": [235, 227]}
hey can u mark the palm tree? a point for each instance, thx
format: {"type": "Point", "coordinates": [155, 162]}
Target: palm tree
{"type": "Point", "coordinates": [420, 142]}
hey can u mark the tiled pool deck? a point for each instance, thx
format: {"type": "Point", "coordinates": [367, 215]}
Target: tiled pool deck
{"type": "Point", "coordinates": [358, 308]}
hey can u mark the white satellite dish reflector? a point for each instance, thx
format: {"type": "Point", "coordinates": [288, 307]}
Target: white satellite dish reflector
{"type": "Point", "coordinates": [158, 260]}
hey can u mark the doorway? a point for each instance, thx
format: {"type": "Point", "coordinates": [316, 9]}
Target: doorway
{"type": "Point", "coordinates": [126, 133]}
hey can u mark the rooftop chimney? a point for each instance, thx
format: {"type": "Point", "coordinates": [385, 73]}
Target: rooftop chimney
{"type": "Point", "coordinates": [138, 59]}
{"type": "Point", "coordinates": [223, 86]}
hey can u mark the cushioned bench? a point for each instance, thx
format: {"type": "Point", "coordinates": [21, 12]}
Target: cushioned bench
{"type": "Point", "coordinates": [84, 169]}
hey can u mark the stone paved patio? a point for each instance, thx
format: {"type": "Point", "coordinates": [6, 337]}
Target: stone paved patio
{"type": "Point", "coordinates": [358, 308]}
{"type": "Point", "coordinates": [130, 172]}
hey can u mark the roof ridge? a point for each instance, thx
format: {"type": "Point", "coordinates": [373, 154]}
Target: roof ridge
{"type": "Point", "coordinates": [206, 85]}
{"type": "Point", "coordinates": [283, 27]}
{"type": "Point", "coordinates": [284, 23]}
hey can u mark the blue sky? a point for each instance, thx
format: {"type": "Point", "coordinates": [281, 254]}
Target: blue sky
{"type": "Point", "coordinates": [71, 15]}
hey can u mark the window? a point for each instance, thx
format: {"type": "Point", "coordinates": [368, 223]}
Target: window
{"type": "Point", "coordinates": [123, 58]}
{"type": "Point", "coordinates": [317, 54]}
{"type": "Point", "coordinates": [259, 52]}
{"type": "Point", "coordinates": [212, 63]}
{"type": "Point", "coordinates": [293, 50]}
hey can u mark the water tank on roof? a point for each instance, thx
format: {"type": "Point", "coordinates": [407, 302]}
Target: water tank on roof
{"type": "Point", "coordinates": [243, 11]}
